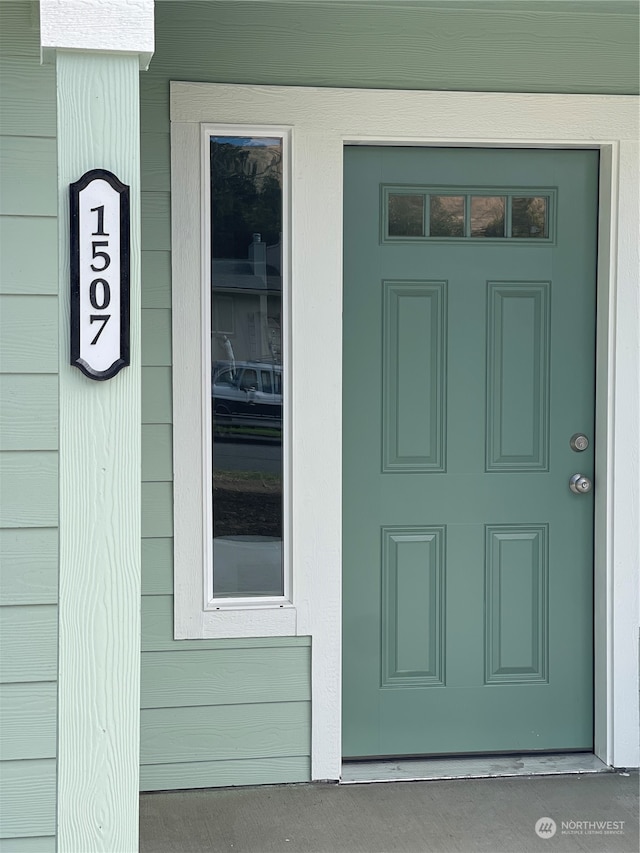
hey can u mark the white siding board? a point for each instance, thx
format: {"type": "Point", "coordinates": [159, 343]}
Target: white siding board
{"type": "Point", "coordinates": [100, 474]}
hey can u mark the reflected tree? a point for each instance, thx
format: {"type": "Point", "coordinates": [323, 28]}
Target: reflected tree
{"type": "Point", "coordinates": [246, 196]}
{"type": "Point", "coordinates": [528, 217]}
{"type": "Point", "coordinates": [446, 216]}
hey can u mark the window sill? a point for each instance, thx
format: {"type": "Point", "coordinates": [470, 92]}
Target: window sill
{"type": "Point", "coordinates": [240, 621]}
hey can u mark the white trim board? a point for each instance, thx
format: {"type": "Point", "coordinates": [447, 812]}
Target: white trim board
{"type": "Point", "coordinates": [101, 26]}
{"type": "Point", "coordinates": [322, 122]}
{"type": "Point", "coordinates": [100, 468]}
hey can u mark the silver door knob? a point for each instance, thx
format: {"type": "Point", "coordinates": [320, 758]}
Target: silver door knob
{"type": "Point", "coordinates": [580, 484]}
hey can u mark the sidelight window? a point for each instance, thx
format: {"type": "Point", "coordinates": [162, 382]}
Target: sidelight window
{"type": "Point", "coordinates": [246, 277]}
{"type": "Point", "coordinates": [230, 382]}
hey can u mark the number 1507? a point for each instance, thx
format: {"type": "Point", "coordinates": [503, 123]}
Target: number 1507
{"type": "Point", "coordinates": [99, 290]}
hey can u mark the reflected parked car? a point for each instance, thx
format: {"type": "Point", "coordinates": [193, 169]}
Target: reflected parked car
{"type": "Point", "coordinates": [247, 399]}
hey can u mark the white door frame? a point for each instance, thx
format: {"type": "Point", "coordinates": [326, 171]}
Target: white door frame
{"type": "Point", "coordinates": [322, 122]}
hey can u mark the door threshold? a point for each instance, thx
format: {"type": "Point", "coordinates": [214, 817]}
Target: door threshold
{"type": "Point", "coordinates": [483, 767]}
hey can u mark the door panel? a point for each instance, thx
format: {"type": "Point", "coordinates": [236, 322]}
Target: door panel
{"type": "Point", "coordinates": [468, 366]}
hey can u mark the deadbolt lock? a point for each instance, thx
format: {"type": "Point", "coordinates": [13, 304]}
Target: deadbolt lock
{"type": "Point", "coordinates": [579, 442]}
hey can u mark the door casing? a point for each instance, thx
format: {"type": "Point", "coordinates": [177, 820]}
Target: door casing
{"type": "Point", "coordinates": [322, 121]}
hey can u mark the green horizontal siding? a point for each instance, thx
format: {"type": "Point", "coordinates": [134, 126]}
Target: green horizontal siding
{"type": "Point", "coordinates": [29, 643]}
{"type": "Point", "coordinates": [223, 732]}
{"type": "Point", "coordinates": [28, 334]}
{"type": "Point", "coordinates": [40, 844]}
{"type": "Point", "coordinates": [157, 453]}
{"type": "Point", "coordinates": [154, 102]}
{"type": "Point", "coordinates": [227, 677]}
{"type": "Point", "coordinates": [28, 172]}
{"type": "Point", "coordinates": [157, 566]}
{"type": "Point", "coordinates": [155, 162]}
{"type": "Point", "coordinates": [214, 712]}
{"type": "Point", "coordinates": [156, 279]}
{"type": "Point", "coordinates": [156, 337]}
{"type": "Point", "coordinates": [28, 489]}
{"type": "Point", "coordinates": [157, 510]}
{"type": "Point", "coordinates": [28, 411]}
{"type": "Point", "coordinates": [28, 436]}
{"type": "Point", "coordinates": [28, 103]}
{"type": "Point", "coordinates": [479, 46]}
{"type": "Point", "coordinates": [215, 774]}
{"type": "Point", "coordinates": [28, 714]}
{"type": "Point", "coordinates": [29, 257]}
{"type": "Point", "coordinates": [156, 395]}
{"type": "Point", "coordinates": [27, 798]}
{"type": "Point", "coordinates": [156, 221]}
{"type": "Point", "coordinates": [28, 566]}
{"type": "Point", "coordinates": [19, 29]}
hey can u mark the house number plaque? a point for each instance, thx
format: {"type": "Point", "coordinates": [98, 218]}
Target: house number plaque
{"type": "Point", "coordinates": [99, 245]}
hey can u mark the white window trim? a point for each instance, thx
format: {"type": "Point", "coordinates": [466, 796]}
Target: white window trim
{"type": "Point", "coordinates": [323, 121]}
{"type": "Point", "coordinates": [197, 614]}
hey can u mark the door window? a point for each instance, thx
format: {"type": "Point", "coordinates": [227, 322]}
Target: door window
{"type": "Point", "coordinates": [505, 214]}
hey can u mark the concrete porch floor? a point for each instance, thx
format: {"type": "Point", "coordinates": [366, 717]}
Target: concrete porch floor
{"type": "Point", "coordinates": [497, 815]}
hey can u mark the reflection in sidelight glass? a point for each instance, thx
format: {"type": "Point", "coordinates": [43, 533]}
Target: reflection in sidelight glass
{"type": "Point", "coordinates": [446, 216]}
{"type": "Point", "coordinates": [487, 216]}
{"type": "Point", "coordinates": [406, 215]}
{"type": "Point", "coordinates": [246, 356]}
{"type": "Point", "coordinates": [529, 217]}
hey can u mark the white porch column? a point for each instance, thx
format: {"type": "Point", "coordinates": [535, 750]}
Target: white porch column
{"type": "Point", "coordinates": [98, 47]}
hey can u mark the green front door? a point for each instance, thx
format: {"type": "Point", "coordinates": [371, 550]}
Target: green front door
{"type": "Point", "coordinates": [469, 327]}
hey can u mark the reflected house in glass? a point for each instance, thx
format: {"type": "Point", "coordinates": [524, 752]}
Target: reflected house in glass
{"type": "Point", "coordinates": [246, 249]}
{"type": "Point", "coordinates": [246, 305]}
{"type": "Point", "coordinates": [246, 366]}
{"type": "Point", "coordinates": [246, 386]}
